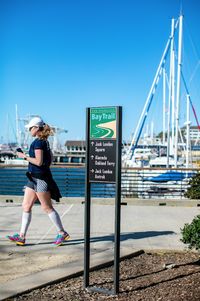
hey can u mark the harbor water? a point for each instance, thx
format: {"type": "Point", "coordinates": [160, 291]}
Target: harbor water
{"type": "Point", "coordinates": [70, 180]}
{"type": "Point", "coordinates": [146, 183]}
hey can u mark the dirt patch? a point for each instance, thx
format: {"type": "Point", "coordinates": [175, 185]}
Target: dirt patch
{"type": "Point", "coordinates": [147, 277]}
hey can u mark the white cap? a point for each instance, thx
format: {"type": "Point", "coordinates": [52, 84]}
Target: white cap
{"type": "Point", "coordinates": [36, 121]}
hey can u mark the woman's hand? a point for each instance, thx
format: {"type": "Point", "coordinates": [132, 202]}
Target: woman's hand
{"type": "Point", "coordinates": [21, 155]}
{"type": "Point", "coordinates": [38, 160]}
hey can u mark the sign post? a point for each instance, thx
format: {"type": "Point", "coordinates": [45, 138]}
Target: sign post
{"type": "Point", "coordinates": [103, 165]}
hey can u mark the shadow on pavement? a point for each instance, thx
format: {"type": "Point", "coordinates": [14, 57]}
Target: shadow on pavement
{"type": "Point", "coordinates": [109, 238]}
{"type": "Point", "coordinates": [123, 237]}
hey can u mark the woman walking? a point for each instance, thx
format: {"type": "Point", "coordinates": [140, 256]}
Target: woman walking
{"type": "Point", "coordinates": [41, 185]}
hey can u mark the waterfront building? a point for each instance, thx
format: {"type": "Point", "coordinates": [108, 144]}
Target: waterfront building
{"type": "Point", "coordinates": [74, 152]}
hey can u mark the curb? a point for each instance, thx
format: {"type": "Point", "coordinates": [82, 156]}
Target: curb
{"type": "Point", "coordinates": [12, 200]}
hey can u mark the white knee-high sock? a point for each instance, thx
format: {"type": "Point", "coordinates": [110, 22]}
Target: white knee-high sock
{"type": "Point", "coordinates": [26, 219]}
{"type": "Point", "coordinates": [55, 218]}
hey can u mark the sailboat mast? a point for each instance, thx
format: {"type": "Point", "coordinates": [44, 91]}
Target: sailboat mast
{"type": "Point", "coordinates": [173, 85]}
{"type": "Point", "coordinates": [147, 105]}
{"type": "Point", "coordinates": [188, 132]}
{"type": "Point", "coordinates": [171, 92]}
{"type": "Point", "coordinates": [168, 126]}
{"type": "Point", "coordinates": [164, 105]}
{"type": "Point", "coordinates": [178, 84]}
{"type": "Point", "coordinates": [17, 126]}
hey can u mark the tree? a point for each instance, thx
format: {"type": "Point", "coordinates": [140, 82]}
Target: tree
{"type": "Point", "coordinates": [190, 234]}
{"type": "Point", "coordinates": [193, 192]}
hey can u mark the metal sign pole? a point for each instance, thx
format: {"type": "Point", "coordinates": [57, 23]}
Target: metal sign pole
{"type": "Point", "coordinates": [118, 201]}
{"type": "Point", "coordinates": [103, 165]}
{"type": "Point", "coordinates": [87, 210]}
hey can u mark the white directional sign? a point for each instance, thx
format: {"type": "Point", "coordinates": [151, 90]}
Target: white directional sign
{"type": "Point", "coordinates": [102, 160]}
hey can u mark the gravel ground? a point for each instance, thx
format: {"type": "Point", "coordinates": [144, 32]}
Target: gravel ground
{"type": "Point", "coordinates": [149, 276]}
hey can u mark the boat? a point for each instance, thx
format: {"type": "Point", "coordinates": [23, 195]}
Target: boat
{"type": "Point", "coordinates": [165, 162]}
{"type": "Point", "coordinates": [169, 176]}
{"type": "Point", "coordinates": [140, 158]}
{"type": "Point", "coordinates": [164, 184]}
{"type": "Point", "coordinates": [17, 161]}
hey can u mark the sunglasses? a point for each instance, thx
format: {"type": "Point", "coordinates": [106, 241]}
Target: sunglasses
{"type": "Point", "coordinates": [31, 128]}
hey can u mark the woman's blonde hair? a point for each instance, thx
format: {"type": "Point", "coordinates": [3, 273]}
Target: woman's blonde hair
{"type": "Point", "coordinates": [45, 132]}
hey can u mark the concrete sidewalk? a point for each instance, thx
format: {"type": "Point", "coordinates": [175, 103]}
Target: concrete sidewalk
{"type": "Point", "coordinates": [39, 262]}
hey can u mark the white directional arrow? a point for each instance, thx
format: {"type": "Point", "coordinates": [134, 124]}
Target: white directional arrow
{"type": "Point", "coordinates": [92, 170]}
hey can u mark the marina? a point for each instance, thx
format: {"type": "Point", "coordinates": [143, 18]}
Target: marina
{"type": "Point", "coordinates": [176, 140]}
{"type": "Point", "coordinates": [100, 150]}
{"type": "Point", "coordinates": [138, 183]}
{"type": "Point", "coordinates": [174, 146]}
{"type": "Point", "coordinates": [153, 166]}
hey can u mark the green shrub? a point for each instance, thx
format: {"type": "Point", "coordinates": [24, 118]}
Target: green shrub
{"type": "Point", "coordinates": [193, 192]}
{"type": "Point", "coordinates": [191, 233]}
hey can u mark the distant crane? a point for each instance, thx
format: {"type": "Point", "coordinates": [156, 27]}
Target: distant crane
{"type": "Point", "coordinates": [56, 145]}
{"type": "Point", "coordinates": [23, 136]}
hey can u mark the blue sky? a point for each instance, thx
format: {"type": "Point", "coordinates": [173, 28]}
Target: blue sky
{"type": "Point", "coordinates": [59, 57]}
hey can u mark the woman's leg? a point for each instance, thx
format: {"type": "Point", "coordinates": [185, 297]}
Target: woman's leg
{"type": "Point", "coordinates": [29, 199]}
{"type": "Point", "coordinates": [46, 203]}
